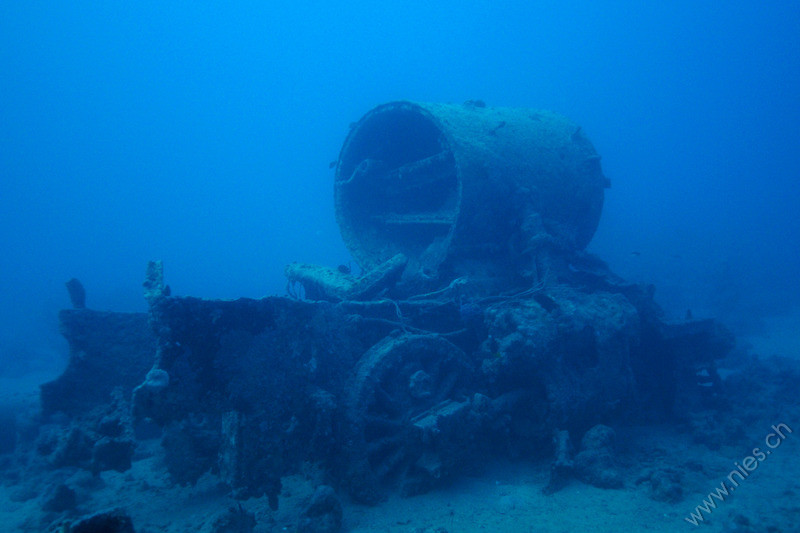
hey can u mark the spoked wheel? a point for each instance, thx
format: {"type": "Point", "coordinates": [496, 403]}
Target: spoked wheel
{"type": "Point", "coordinates": [396, 380]}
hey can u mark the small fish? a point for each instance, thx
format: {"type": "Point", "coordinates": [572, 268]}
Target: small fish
{"type": "Point", "coordinates": [635, 253]}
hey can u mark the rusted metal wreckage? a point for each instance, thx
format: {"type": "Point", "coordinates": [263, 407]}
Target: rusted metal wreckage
{"type": "Point", "coordinates": [477, 327]}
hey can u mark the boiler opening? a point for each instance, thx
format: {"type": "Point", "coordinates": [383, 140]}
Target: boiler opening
{"type": "Point", "coordinates": [396, 187]}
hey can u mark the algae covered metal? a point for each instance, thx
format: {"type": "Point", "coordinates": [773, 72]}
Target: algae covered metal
{"type": "Point", "coordinates": [465, 189]}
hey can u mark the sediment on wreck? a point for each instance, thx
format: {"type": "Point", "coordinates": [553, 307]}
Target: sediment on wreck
{"type": "Point", "coordinates": [478, 326]}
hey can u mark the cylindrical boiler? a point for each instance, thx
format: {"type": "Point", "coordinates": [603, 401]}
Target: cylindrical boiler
{"type": "Point", "coordinates": [465, 187]}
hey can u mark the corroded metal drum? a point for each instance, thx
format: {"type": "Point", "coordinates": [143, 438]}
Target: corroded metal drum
{"type": "Point", "coordinates": [457, 186]}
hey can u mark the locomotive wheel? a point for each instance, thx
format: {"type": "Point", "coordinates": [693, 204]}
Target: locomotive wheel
{"type": "Point", "coordinates": [395, 381]}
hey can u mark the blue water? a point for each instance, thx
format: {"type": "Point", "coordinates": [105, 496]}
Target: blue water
{"type": "Point", "coordinates": [201, 134]}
